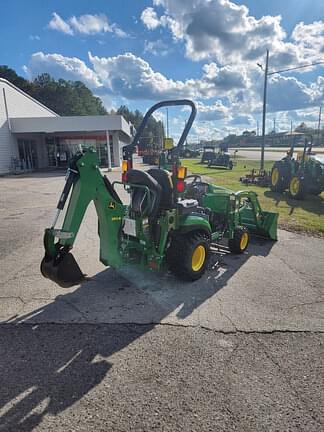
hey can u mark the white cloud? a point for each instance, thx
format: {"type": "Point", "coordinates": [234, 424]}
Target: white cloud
{"type": "Point", "coordinates": [149, 18]}
{"type": "Point", "coordinates": [34, 37]}
{"type": "Point", "coordinates": [134, 78]}
{"type": "Point", "coordinates": [222, 93]}
{"type": "Point", "coordinates": [226, 32]}
{"type": "Point", "coordinates": [58, 66]}
{"type": "Point", "coordinates": [90, 24]}
{"type": "Point", "coordinates": [57, 23]}
{"type": "Point", "coordinates": [310, 39]}
{"type": "Point", "coordinates": [157, 48]}
{"type": "Point", "coordinates": [215, 111]}
{"type": "Point", "coordinates": [288, 93]}
{"type": "Point", "coordinates": [85, 24]}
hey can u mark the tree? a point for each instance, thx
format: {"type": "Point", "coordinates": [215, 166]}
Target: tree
{"type": "Point", "coordinates": [63, 97]}
{"type": "Point", "coordinates": [153, 133]}
{"type": "Point", "coordinates": [11, 76]}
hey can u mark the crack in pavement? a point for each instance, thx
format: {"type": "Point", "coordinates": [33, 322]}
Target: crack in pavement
{"type": "Point", "coordinates": [222, 313]}
{"type": "Point", "coordinates": [305, 304]}
{"type": "Point", "coordinates": [165, 324]}
{"type": "Point", "coordinates": [287, 380]}
{"type": "Point", "coordinates": [73, 306]}
{"type": "Point", "coordinates": [304, 276]}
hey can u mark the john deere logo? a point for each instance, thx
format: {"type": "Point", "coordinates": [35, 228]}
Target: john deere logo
{"type": "Point", "coordinates": [112, 205]}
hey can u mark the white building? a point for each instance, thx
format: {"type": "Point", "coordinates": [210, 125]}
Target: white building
{"type": "Point", "coordinates": [34, 137]}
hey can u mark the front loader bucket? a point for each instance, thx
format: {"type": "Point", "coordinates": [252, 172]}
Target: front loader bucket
{"type": "Point", "coordinates": [64, 270]}
{"type": "Point", "coordinates": [268, 227]}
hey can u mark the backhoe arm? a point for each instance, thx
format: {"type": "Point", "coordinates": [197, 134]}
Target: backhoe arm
{"type": "Point", "coordinates": [87, 184]}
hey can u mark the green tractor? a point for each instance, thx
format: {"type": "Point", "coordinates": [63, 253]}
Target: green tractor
{"type": "Point", "coordinates": [301, 176]}
{"type": "Point", "coordinates": [171, 222]}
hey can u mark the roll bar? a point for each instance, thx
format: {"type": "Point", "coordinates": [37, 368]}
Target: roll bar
{"type": "Point", "coordinates": [128, 150]}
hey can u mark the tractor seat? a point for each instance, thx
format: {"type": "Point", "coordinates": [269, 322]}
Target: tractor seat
{"type": "Point", "coordinates": [164, 179]}
{"type": "Point", "coordinates": [139, 199]}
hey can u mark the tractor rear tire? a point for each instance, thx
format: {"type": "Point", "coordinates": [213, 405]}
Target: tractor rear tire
{"type": "Point", "coordinates": [187, 256]}
{"type": "Point", "coordinates": [297, 188]}
{"type": "Point", "coordinates": [239, 243]}
{"type": "Point", "coordinates": [316, 192]}
{"type": "Point", "coordinates": [278, 180]}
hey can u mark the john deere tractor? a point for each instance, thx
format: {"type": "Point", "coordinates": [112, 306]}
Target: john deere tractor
{"type": "Point", "coordinates": [301, 176]}
{"type": "Point", "coordinates": [170, 223]}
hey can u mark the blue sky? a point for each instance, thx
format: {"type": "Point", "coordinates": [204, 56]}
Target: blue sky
{"type": "Point", "coordinates": [139, 52]}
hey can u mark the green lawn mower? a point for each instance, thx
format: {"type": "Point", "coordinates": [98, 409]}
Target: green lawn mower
{"type": "Point", "coordinates": [208, 153]}
{"type": "Point", "coordinates": [171, 222]}
{"type": "Point", "coordinates": [221, 159]}
{"type": "Point", "coordinates": [301, 176]}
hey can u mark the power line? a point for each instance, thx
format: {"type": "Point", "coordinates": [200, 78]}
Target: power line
{"type": "Point", "coordinates": [296, 67]}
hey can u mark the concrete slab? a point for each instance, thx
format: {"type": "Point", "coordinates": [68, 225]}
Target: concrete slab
{"type": "Point", "coordinates": [274, 286]}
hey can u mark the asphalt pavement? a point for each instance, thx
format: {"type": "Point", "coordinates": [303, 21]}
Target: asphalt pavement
{"type": "Point", "coordinates": [270, 154]}
{"type": "Point", "coordinates": [239, 349]}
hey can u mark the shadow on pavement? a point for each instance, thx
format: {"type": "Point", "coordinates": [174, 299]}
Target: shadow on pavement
{"type": "Point", "coordinates": [45, 372]}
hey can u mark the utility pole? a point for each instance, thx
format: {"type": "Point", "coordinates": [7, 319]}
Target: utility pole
{"type": "Point", "coordinates": [266, 74]}
{"type": "Point", "coordinates": [257, 127]}
{"type": "Point", "coordinates": [274, 125]}
{"type": "Point", "coordinates": [264, 109]}
{"type": "Point", "coordinates": [319, 126]}
{"type": "Point", "coordinates": [167, 122]}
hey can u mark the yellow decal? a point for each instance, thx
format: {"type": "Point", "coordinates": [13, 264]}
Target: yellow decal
{"type": "Point", "coordinates": [112, 205]}
{"type": "Point", "coordinates": [116, 218]}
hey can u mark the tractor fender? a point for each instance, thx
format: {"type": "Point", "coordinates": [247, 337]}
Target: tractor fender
{"type": "Point", "coordinates": [194, 223]}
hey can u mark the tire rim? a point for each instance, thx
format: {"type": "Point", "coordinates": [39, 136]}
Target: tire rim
{"type": "Point", "coordinates": [244, 241]}
{"type": "Point", "coordinates": [294, 186]}
{"type": "Point", "coordinates": [198, 258]}
{"type": "Point", "coordinates": [275, 176]}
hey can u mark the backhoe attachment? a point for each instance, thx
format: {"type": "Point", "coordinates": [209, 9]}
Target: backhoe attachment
{"type": "Point", "coordinates": [84, 183]}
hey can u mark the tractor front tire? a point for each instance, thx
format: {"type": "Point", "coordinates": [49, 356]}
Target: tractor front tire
{"type": "Point", "coordinates": [297, 188]}
{"type": "Point", "coordinates": [239, 243]}
{"type": "Point", "coordinates": [188, 254]}
{"type": "Point", "coordinates": [278, 181]}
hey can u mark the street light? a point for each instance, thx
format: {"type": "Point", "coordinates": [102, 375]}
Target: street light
{"type": "Point", "coordinates": [266, 74]}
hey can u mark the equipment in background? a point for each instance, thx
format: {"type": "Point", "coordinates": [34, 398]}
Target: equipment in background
{"type": "Point", "coordinates": [257, 177]}
{"type": "Point", "coordinates": [171, 222]}
{"type": "Point", "coordinates": [301, 176]}
{"type": "Point", "coordinates": [208, 153]}
{"type": "Point", "coordinates": [188, 153]}
{"type": "Point", "coordinates": [150, 156]}
{"type": "Point", "coordinates": [221, 159]}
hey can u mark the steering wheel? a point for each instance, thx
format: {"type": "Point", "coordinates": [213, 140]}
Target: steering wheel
{"type": "Point", "coordinates": [196, 179]}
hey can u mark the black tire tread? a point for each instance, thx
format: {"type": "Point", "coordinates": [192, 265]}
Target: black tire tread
{"type": "Point", "coordinates": [180, 253]}
{"type": "Point", "coordinates": [234, 243]}
{"type": "Point", "coordinates": [281, 186]}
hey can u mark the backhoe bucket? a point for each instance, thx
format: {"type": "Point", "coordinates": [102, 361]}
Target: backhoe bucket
{"type": "Point", "coordinates": [64, 270]}
{"type": "Point", "coordinates": [268, 227]}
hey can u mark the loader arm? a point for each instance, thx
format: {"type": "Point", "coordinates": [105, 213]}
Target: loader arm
{"type": "Point", "coordinates": [87, 184]}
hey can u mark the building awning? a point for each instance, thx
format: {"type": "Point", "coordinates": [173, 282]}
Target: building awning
{"type": "Point", "coordinates": [71, 124]}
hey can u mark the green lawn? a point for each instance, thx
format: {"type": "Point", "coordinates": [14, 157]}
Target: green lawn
{"type": "Point", "coordinates": [305, 216]}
